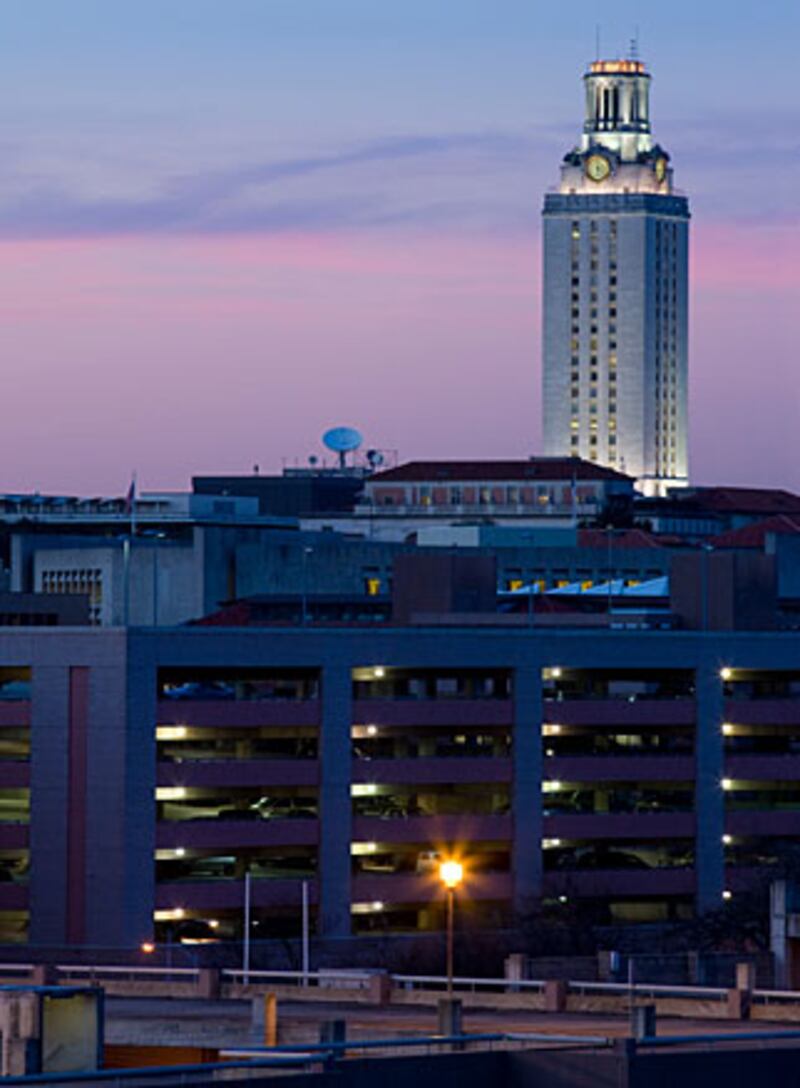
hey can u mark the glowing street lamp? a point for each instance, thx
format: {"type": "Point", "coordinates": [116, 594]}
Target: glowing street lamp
{"type": "Point", "coordinates": [451, 873]}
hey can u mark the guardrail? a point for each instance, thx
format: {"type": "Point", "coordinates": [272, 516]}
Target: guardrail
{"type": "Point", "coordinates": [468, 985]}
{"type": "Point", "coordinates": [655, 990]}
{"type": "Point", "coordinates": [374, 986]}
{"type": "Point", "coordinates": [80, 970]}
{"type": "Point", "coordinates": [310, 979]}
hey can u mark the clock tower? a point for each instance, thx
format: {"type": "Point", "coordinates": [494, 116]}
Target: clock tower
{"type": "Point", "coordinates": [616, 291]}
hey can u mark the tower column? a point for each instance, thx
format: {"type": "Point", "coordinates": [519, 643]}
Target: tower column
{"type": "Point", "coordinates": [709, 794]}
{"type": "Point", "coordinates": [335, 804]}
{"type": "Point", "coordinates": [527, 787]}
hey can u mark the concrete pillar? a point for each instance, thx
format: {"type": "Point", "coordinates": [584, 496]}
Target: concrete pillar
{"type": "Point", "coordinates": [120, 806]}
{"type": "Point", "coordinates": [208, 983]}
{"type": "Point", "coordinates": [515, 967]}
{"type": "Point", "coordinates": [44, 974]}
{"type": "Point", "coordinates": [555, 995]}
{"type": "Point", "coordinates": [746, 977]}
{"type": "Point", "coordinates": [527, 788]}
{"type": "Point", "coordinates": [709, 795]}
{"type": "Point", "coordinates": [49, 803]}
{"type": "Point", "coordinates": [450, 1016]}
{"type": "Point", "coordinates": [335, 806]}
{"type": "Point", "coordinates": [643, 1022]}
{"type": "Point", "coordinates": [380, 988]}
{"type": "Point", "coordinates": [737, 1006]}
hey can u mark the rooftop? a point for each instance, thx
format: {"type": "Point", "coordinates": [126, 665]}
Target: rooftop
{"type": "Point", "coordinates": [618, 538]}
{"type": "Point", "coordinates": [749, 500]}
{"type": "Point", "coordinates": [754, 535]}
{"type": "Point", "coordinates": [535, 468]}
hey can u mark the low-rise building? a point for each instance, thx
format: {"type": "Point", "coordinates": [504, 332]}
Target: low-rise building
{"type": "Point", "coordinates": [539, 492]}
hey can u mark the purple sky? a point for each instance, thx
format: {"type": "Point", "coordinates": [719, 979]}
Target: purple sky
{"type": "Point", "coordinates": [227, 226]}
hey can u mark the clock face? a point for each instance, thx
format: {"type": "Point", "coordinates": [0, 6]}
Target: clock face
{"type": "Point", "coordinates": [661, 169]}
{"type": "Point", "coordinates": [597, 167]}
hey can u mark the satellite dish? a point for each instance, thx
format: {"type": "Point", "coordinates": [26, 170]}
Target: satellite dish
{"type": "Point", "coordinates": [374, 458]}
{"type": "Point", "coordinates": [342, 440]}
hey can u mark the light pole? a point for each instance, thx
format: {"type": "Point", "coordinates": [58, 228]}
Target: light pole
{"type": "Point", "coordinates": [304, 608]}
{"type": "Point", "coordinates": [451, 873]}
{"type": "Point", "coordinates": [246, 935]}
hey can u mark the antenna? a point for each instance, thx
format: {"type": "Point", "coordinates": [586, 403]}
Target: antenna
{"type": "Point", "coordinates": [633, 52]}
{"type": "Point", "coordinates": [597, 41]}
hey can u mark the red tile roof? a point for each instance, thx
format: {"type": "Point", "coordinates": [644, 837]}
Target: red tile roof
{"type": "Point", "coordinates": [754, 535]}
{"type": "Point", "coordinates": [536, 468]}
{"type": "Point", "coordinates": [625, 538]}
{"type": "Point", "coordinates": [746, 500]}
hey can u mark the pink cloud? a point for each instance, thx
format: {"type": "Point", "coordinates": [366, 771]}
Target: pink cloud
{"type": "Point", "coordinates": [184, 355]}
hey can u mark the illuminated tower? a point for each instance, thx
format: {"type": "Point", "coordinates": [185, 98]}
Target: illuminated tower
{"type": "Point", "coordinates": [615, 357]}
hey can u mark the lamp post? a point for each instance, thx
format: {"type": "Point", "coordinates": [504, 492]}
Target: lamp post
{"type": "Point", "coordinates": [304, 603]}
{"type": "Point", "coordinates": [451, 873]}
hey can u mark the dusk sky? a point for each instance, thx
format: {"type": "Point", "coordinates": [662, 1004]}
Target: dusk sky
{"type": "Point", "coordinates": [226, 225]}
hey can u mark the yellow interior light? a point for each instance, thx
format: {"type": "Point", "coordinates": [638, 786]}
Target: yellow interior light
{"type": "Point", "coordinates": [171, 732]}
{"type": "Point", "coordinates": [170, 793]}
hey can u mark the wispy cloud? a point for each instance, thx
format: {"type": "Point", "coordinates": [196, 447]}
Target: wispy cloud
{"type": "Point", "coordinates": [487, 181]}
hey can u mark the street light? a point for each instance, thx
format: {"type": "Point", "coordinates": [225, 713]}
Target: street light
{"type": "Point", "coordinates": [451, 873]}
{"type": "Point", "coordinates": [304, 603]}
